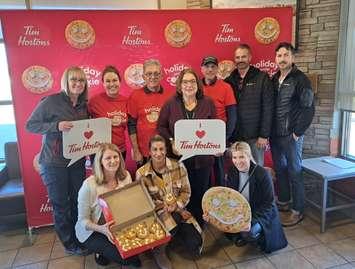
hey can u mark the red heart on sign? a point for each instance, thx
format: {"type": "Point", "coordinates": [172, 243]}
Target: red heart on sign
{"type": "Point", "coordinates": [200, 134]}
{"type": "Point", "coordinates": [88, 134]}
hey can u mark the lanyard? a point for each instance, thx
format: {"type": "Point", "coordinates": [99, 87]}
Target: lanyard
{"type": "Point", "coordinates": [247, 181]}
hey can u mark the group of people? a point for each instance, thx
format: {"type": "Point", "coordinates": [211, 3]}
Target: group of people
{"type": "Point", "coordinates": [257, 110]}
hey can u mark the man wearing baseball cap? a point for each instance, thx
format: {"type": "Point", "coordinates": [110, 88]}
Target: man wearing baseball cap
{"type": "Point", "coordinates": [222, 95]}
{"type": "Point", "coordinates": [254, 94]}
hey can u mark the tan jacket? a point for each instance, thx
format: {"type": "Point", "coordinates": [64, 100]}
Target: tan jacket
{"type": "Point", "coordinates": [175, 181]}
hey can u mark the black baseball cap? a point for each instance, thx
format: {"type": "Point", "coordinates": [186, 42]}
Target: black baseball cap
{"type": "Point", "coordinates": [209, 60]}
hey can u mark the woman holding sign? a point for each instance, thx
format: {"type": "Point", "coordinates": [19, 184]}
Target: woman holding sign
{"type": "Point", "coordinates": [53, 116]}
{"type": "Point", "coordinates": [255, 184]}
{"type": "Point", "coordinates": [91, 229]}
{"type": "Point", "coordinates": [189, 103]}
{"type": "Point", "coordinates": [110, 104]}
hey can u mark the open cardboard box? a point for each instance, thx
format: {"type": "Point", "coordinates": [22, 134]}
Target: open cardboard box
{"type": "Point", "coordinates": [129, 206]}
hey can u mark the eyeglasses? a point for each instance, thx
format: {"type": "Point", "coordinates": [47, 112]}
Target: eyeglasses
{"type": "Point", "coordinates": [187, 82]}
{"type": "Point", "coordinates": [75, 80]}
{"type": "Point", "coordinates": [152, 74]}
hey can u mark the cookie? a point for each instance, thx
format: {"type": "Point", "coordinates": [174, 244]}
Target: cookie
{"type": "Point", "coordinates": [227, 209]}
{"type": "Point", "coordinates": [37, 79]}
{"type": "Point", "coordinates": [267, 30]}
{"type": "Point", "coordinates": [80, 34]}
{"type": "Point", "coordinates": [225, 67]}
{"type": "Point", "coordinates": [133, 76]}
{"type": "Point", "coordinates": [178, 33]}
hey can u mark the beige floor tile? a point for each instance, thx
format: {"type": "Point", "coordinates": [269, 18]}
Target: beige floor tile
{"type": "Point", "coordinates": [33, 254]}
{"type": "Point", "coordinates": [344, 266]}
{"type": "Point", "coordinates": [321, 256]}
{"type": "Point", "coordinates": [262, 263]}
{"type": "Point", "coordinates": [208, 239]}
{"type": "Point", "coordinates": [44, 238]}
{"type": "Point", "coordinates": [58, 251]}
{"type": "Point", "coordinates": [345, 248]}
{"type": "Point", "coordinates": [240, 254]}
{"type": "Point", "coordinates": [213, 257]}
{"type": "Point", "coordinates": [8, 242]}
{"type": "Point", "coordinates": [7, 258]}
{"type": "Point", "coordinates": [307, 221]}
{"type": "Point", "coordinates": [40, 265]}
{"type": "Point", "coordinates": [347, 229]}
{"type": "Point", "coordinates": [330, 235]}
{"type": "Point", "coordinates": [299, 238]}
{"type": "Point", "coordinates": [180, 261]}
{"type": "Point", "coordinates": [72, 262]}
{"type": "Point", "coordinates": [230, 266]}
{"type": "Point", "coordinates": [290, 260]}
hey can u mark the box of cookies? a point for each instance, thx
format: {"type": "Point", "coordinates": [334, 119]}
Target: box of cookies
{"type": "Point", "coordinates": [137, 227]}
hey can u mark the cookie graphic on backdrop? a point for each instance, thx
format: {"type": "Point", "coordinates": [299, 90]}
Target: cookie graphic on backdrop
{"type": "Point", "coordinates": [178, 33]}
{"type": "Point", "coordinates": [133, 76]}
{"type": "Point", "coordinates": [267, 30]}
{"type": "Point", "coordinates": [225, 67]}
{"type": "Point", "coordinates": [227, 209]}
{"type": "Point", "coordinates": [80, 34]}
{"type": "Point", "coordinates": [37, 79]}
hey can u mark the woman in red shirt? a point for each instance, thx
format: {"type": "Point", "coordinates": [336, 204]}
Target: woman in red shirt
{"type": "Point", "coordinates": [110, 104]}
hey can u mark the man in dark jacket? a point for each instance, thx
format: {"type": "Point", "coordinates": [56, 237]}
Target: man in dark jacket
{"type": "Point", "coordinates": [294, 111]}
{"type": "Point", "coordinates": [253, 92]}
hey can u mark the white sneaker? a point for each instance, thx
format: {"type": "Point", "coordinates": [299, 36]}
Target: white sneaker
{"type": "Point", "coordinates": [161, 258]}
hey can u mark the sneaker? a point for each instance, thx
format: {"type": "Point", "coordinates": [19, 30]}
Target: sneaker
{"type": "Point", "coordinates": [161, 258]}
{"type": "Point", "coordinates": [240, 242]}
{"type": "Point", "coordinates": [78, 251]}
{"type": "Point", "coordinates": [101, 260]}
{"type": "Point", "coordinates": [292, 219]}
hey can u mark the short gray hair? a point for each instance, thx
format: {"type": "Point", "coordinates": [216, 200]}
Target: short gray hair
{"type": "Point", "coordinates": [151, 62]}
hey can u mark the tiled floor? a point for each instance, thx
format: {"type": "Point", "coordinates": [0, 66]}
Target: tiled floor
{"type": "Point", "coordinates": [307, 249]}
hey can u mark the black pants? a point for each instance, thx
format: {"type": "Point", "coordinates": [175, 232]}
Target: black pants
{"type": "Point", "coordinates": [63, 185]}
{"type": "Point", "coordinates": [99, 243]}
{"type": "Point", "coordinates": [187, 234]}
{"type": "Point", "coordinates": [199, 182]}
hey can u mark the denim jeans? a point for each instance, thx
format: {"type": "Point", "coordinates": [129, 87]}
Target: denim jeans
{"type": "Point", "coordinates": [63, 184]}
{"type": "Point", "coordinates": [258, 153]}
{"type": "Point", "coordinates": [287, 158]}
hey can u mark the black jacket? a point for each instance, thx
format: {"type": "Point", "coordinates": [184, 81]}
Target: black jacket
{"type": "Point", "coordinates": [262, 204]}
{"type": "Point", "coordinates": [294, 103]}
{"type": "Point", "coordinates": [254, 104]}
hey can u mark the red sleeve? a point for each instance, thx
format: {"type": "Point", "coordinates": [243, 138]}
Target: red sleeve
{"type": "Point", "coordinates": [229, 96]}
{"type": "Point", "coordinates": [132, 105]}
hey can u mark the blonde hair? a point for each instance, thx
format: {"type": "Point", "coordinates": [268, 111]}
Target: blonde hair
{"type": "Point", "coordinates": [121, 172]}
{"type": "Point", "coordinates": [64, 83]}
{"type": "Point", "coordinates": [243, 147]}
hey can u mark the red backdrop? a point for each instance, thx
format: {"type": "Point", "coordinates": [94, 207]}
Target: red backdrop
{"type": "Point", "coordinates": [38, 38]}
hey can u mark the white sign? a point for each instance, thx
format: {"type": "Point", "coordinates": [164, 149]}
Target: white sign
{"type": "Point", "coordinates": [199, 137]}
{"type": "Point", "coordinates": [85, 137]}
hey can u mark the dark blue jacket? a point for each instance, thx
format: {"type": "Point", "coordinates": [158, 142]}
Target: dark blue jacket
{"type": "Point", "coordinates": [262, 204]}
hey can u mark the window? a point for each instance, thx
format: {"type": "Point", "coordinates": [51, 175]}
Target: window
{"type": "Point", "coordinates": [348, 143]}
{"type": "Point", "coordinates": [7, 119]}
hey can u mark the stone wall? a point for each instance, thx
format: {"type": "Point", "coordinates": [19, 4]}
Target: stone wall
{"type": "Point", "coordinates": [317, 54]}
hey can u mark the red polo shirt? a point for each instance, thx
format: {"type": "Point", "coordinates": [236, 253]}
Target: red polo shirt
{"type": "Point", "coordinates": [222, 96]}
{"type": "Point", "coordinates": [115, 109]}
{"type": "Point", "coordinates": [144, 106]}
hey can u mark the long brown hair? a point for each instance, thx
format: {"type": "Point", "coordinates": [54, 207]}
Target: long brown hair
{"type": "Point", "coordinates": [121, 172]}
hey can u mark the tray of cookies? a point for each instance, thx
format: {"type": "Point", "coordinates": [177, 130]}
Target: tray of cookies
{"type": "Point", "coordinates": [137, 228]}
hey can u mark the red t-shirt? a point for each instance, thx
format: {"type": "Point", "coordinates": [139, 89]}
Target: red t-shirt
{"type": "Point", "coordinates": [222, 96]}
{"type": "Point", "coordinates": [145, 108]}
{"type": "Point", "coordinates": [115, 109]}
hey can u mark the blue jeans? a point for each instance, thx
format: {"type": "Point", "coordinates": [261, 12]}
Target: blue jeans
{"type": "Point", "coordinates": [63, 184]}
{"type": "Point", "coordinates": [258, 153]}
{"type": "Point", "coordinates": [287, 158]}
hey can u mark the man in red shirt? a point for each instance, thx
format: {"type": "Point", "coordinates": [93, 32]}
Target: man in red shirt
{"type": "Point", "coordinates": [143, 110]}
{"type": "Point", "coordinates": [223, 98]}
